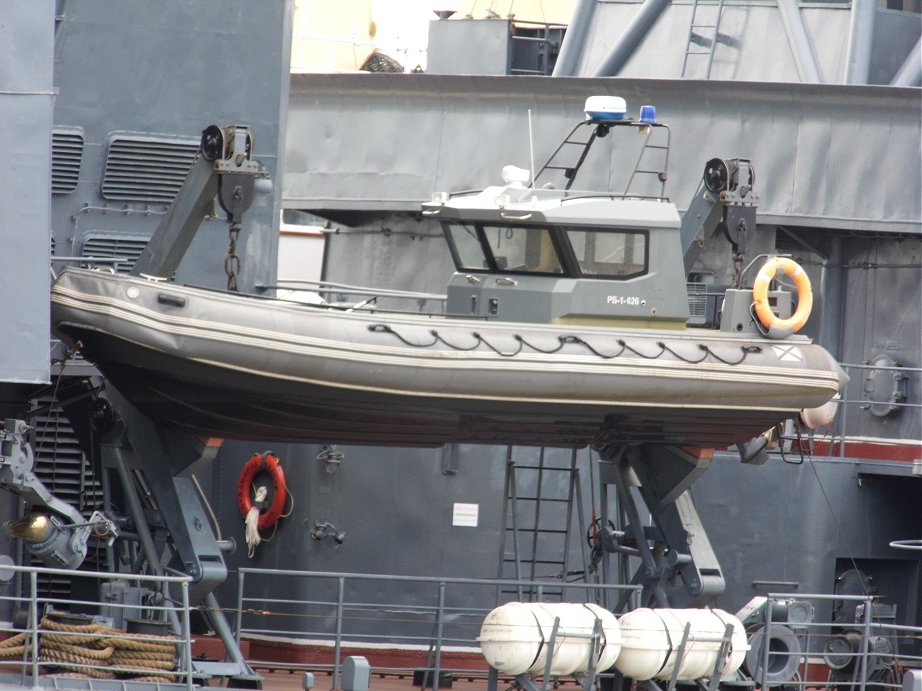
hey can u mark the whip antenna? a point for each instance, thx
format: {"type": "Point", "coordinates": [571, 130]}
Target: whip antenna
{"type": "Point", "coordinates": [531, 149]}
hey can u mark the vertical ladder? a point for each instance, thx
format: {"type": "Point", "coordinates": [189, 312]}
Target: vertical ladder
{"type": "Point", "coordinates": [707, 43]}
{"type": "Point", "coordinates": [537, 528]}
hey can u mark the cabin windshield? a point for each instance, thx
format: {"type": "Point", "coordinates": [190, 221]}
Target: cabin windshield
{"type": "Point", "coordinates": [572, 251]}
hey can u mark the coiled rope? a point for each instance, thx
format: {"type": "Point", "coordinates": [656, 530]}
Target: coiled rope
{"type": "Point", "coordinates": [98, 652]}
{"type": "Point", "coordinates": [251, 531]}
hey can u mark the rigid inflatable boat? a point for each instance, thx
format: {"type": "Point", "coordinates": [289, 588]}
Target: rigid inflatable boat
{"type": "Point", "coordinates": [565, 325]}
{"type": "Point", "coordinates": [239, 366]}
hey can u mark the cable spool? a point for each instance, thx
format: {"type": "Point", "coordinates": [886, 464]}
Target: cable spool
{"type": "Point", "coordinates": [784, 651]}
{"type": "Point", "coordinates": [841, 651]}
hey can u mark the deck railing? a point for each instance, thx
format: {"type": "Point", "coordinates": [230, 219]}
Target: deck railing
{"type": "Point", "coordinates": [857, 395]}
{"type": "Point", "coordinates": [345, 609]}
{"type": "Point", "coordinates": [339, 613]}
{"type": "Point", "coordinates": [870, 651]}
{"type": "Point", "coordinates": [68, 645]}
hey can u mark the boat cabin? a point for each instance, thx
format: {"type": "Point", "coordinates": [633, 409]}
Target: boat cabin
{"type": "Point", "coordinates": [542, 254]}
{"type": "Point", "coordinates": [558, 258]}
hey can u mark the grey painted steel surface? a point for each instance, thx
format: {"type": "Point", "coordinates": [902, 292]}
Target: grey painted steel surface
{"type": "Point", "coordinates": [634, 33]}
{"type": "Point", "coordinates": [571, 47]}
{"type": "Point", "coordinates": [875, 324]}
{"type": "Point", "coordinates": [808, 68]}
{"type": "Point", "coordinates": [435, 133]}
{"type": "Point", "coordinates": [899, 31]}
{"type": "Point", "coordinates": [469, 46]}
{"type": "Point", "coordinates": [860, 41]}
{"type": "Point", "coordinates": [751, 46]}
{"type": "Point", "coordinates": [179, 225]}
{"type": "Point", "coordinates": [765, 524]}
{"type": "Point", "coordinates": [26, 101]}
{"type": "Point", "coordinates": [910, 74]}
{"type": "Point", "coordinates": [153, 91]}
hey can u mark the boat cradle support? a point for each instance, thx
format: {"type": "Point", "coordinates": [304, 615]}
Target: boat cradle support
{"type": "Point", "coordinates": [131, 446]}
{"type": "Point", "coordinates": [678, 567]}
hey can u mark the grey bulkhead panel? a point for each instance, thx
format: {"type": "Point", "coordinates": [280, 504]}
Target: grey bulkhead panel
{"type": "Point", "coordinates": [189, 65]}
{"type": "Point", "coordinates": [386, 142]}
{"type": "Point", "coordinates": [753, 45]}
{"type": "Point", "coordinates": [26, 101]}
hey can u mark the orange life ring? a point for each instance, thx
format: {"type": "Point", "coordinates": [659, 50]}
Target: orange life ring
{"type": "Point", "coordinates": [778, 327]}
{"type": "Point", "coordinates": [268, 463]}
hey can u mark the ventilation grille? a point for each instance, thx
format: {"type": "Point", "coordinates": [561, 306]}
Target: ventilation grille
{"type": "Point", "coordinates": [125, 248]}
{"type": "Point", "coordinates": [697, 302]}
{"type": "Point", "coordinates": [145, 169]}
{"type": "Point", "coordinates": [63, 469]}
{"type": "Point", "coordinates": [66, 155]}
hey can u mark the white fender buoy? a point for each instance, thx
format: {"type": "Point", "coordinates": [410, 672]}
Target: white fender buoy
{"type": "Point", "coordinates": [821, 415]}
{"type": "Point", "coordinates": [515, 638]}
{"type": "Point", "coordinates": [651, 640]}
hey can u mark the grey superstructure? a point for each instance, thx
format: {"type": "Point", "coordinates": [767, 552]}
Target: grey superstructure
{"type": "Point", "coordinates": [825, 141]}
{"type": "Point", "coordinates": [103, 104]}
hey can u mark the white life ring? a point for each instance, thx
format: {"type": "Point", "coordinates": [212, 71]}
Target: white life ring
{"type": "Point", "coordinates": [778, 327]}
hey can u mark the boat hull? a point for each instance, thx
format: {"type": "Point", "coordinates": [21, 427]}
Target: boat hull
{"type": "Point", "coordinates": [244, 367]}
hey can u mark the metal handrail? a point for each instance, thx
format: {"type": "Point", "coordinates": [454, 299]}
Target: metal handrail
{"type": "Point", "coordinates": [30, 664]}
{"type": "Point", "coordinates": [837, 436]}
{"type": "Point", "coordinates": [444, 614]}
{"type": "Point", "coordinates": [331, 287]}
{"type": "Point", "coordinates": [859, 674]}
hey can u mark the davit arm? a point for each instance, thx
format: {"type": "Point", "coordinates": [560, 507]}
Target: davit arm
{"type": "Point", "coordinates": [224, 170]}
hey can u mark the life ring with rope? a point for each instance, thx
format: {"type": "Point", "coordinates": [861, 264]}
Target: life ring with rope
{"type": "Point", "coordinates": [778, 327]}
{"type": "Point", "coordinates": [268, 463]}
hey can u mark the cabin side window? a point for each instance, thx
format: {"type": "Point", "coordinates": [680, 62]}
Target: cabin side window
{"type": "Point", "coordinates": [522, 249]}
{"type": "Point", "coordinates": [609, 254]}
{"type": "Point", "coordinates": [464, 242]}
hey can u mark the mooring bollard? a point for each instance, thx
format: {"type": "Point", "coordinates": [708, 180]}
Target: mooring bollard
{"type": "Point", "coordinates": [356, 673]}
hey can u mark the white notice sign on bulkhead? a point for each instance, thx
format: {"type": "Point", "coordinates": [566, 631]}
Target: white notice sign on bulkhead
{"type": "Point", "coordinates": [465, 515]}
